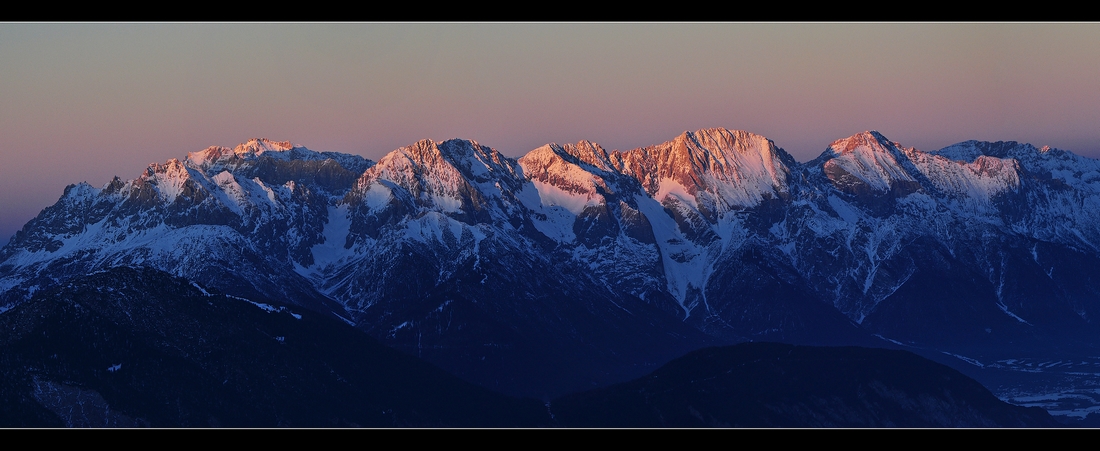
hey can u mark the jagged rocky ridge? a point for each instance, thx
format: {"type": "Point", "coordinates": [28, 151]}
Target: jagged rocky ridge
{"type": "Point", "coordinates": [574, 266]}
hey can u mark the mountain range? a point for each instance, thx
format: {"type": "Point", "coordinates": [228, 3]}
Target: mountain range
{"type": "Point", "coordinates": [573, 267]}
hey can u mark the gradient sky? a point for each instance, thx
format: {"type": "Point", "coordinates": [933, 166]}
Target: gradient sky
{"type": "Point", "coordinates": [85, 102]}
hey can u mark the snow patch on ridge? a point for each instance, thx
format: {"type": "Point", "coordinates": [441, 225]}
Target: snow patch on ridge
{"type": "Point", "coordinates": [686, 265]}
{"type": "Point", "coordinates": [377, 196]}
{"type": "Point", "coordinates": [331, 251]}
{"type": "Point", "coordinates": [435, 227]}
{"type": "Point", "coordinates": [669, 187]}
{"type": "Point", "coordinates": [552, 196]}
{"type": "Point", "coordinates": [554, 221]}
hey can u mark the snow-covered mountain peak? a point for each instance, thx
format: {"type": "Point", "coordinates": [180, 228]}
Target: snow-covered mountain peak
{"type": "Point", "coordinates": [278, 162]}
{"type": "Point", "coordinates": [169, 179]}
{"type": "Point", "coordinates": [722, 139]}
{"type": "Point", "coordinates": [867, 163]}
{"type": "Point", "coordinates": [80, 191]}
{"type": "Point", "coordinates": [214, 159]}
{"type": "Point", "coordinates": [1061, 167]}
{"type": "Point", "coordinates": [172, 165]}
{"type": "Point", "coordinates": [172, 168]}
{"type": "Point", "coordinates": [968, 151]}
{"type": "Point", "coordinates": [732, 169]}
{"type": "Point", "coordinates": [1027, 154]}
{"type": "Point", "coordinates": [423, 153]}
{"type": "Point", "coordinates": [455, 177]}
{"type": "Point", "coordinates": [209, 156]}
{"type": "Point", "coordinates": [258, 146]}
{"type": "Point", "coordinates": [540, 158]}
{"type": "Point", "coordinates": [590, 153]}
{"type": "Point", "coordinates": [470, 160]}
{"type": "Point", "coordinates": [870, 140]}
{"type": "Point", "coordinates": [585, 155]}
{"type": "Point", "coordinates": [553, 167]}
{"type": "Point", "coordinates": [713, 149]}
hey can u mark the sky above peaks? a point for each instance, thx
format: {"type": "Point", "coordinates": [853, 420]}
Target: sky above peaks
{"type": "Point", "coordinates": [85, 102]}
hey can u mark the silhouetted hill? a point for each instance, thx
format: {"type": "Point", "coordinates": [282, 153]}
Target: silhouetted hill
{"type": "Point", "coordinates": [781, 385]}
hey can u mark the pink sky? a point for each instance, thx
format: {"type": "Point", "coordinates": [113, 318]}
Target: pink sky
{"type": "Point", "coordinates": [85, 102]}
